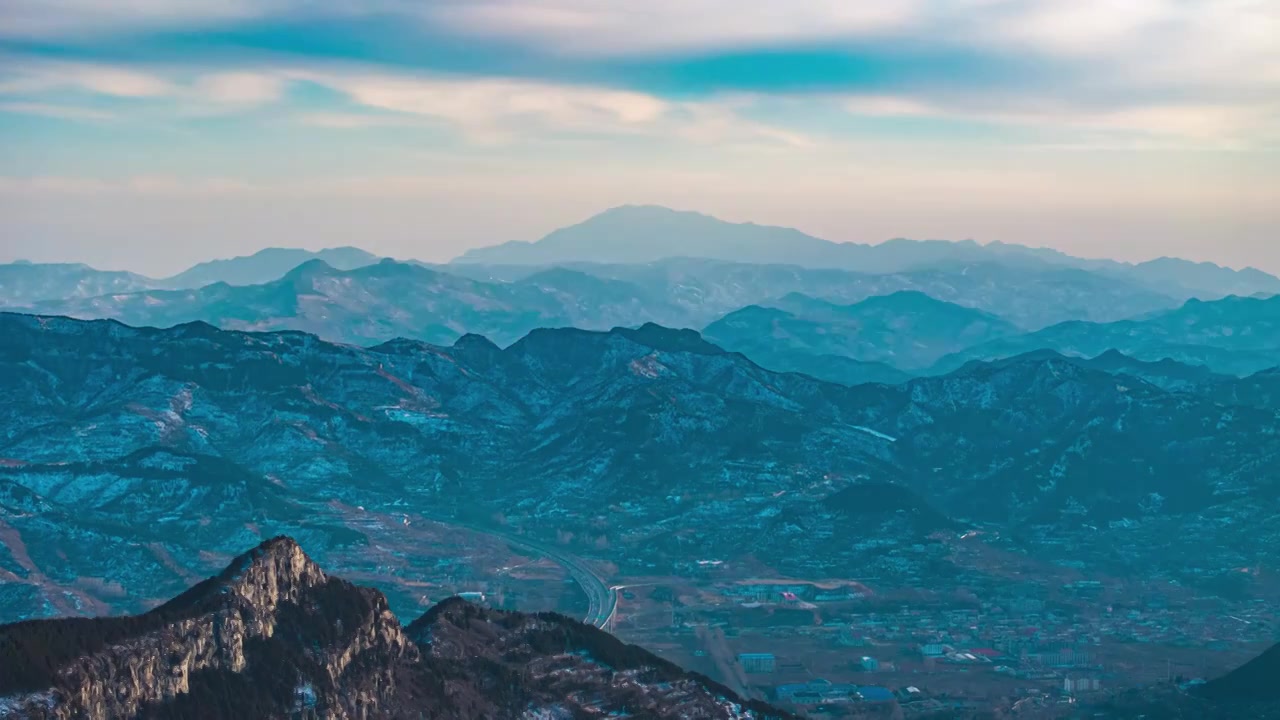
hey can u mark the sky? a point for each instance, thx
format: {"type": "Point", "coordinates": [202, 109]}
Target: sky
{"type": "Point", "coordinates": [152, 134]}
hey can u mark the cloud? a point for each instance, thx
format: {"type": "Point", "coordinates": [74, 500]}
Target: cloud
{"type": "Point", "coordinates": [45, 19]}
{"type": "Point", "coordinates": [1172, 45]}
{"type": "Point", "coordinates": [198, 91]}
{"type": "Point", "coordinates": [606, 28]}
{"type": "Point", "coordinates": [481, 102]}
{"type": "Point", "coordinates": [43, 76]}
{"type": "Point", "coordinates": [484, 110]}
{"type": "Point", "coordinates": [61, 112]}
{"type": "Point", "coordinates": [889, 106]}
{"type": "Point", "coordinates": [352, 121]}
{"type": "Point", "coordinates": [1222, 125]}
{"type": "Point", "coordinates": [501, 69]}
{"type": "Point", "coordinates": [498, 110]}
{"type": "Point", "coordinates": [239, 88]}
{"type": "Point", "coordinates": [721, 124]}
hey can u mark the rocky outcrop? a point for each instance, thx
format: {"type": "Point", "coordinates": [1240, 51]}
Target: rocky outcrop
{"type": "Point", "coordinates": [121, 667]}
{"type": "Point", "coordinates": [273, 636]}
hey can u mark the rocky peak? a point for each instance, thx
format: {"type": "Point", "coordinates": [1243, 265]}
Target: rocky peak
{"type": "Point", "coordinates": [276, 571]}
{"type": "Point", "coordinates": [273, 636]}
{"type": "Point", "coordinates": [271, 619]}
{"type": "Point", "coordinates": [669, 340]}
{"type": "Point", "coordinates": [477, 348]}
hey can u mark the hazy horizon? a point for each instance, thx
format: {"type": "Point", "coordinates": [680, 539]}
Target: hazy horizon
{"type": "Point", "coordinates": [152, 136]}
{"type": "Point", "coordinates": [187, 256]}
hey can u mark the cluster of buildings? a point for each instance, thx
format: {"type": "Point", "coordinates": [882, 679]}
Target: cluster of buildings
{"type": "Point", "coordinates": [825, 692]}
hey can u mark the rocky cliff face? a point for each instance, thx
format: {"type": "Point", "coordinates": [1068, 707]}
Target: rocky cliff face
{"type": "Point", "coordinates": [268, 604]}
{"type": "Point", "coordinates": [274, 636]}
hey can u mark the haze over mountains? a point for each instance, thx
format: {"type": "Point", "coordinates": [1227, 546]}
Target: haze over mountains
{"type": "Point", "coordinates": [642, 234]}
{"type": "Point", "coordinates": [880, 313]}
{"type": "Point", "coordinates": [906, 331]}
{"type": "Point", "coordinates": [1234, 335]}
{"type": "Point", "coordinates": [961, 420]}
{"type": "Point", "coordinates": [631, 235]}
{"type": "Point", "coordinates": [24, 283]}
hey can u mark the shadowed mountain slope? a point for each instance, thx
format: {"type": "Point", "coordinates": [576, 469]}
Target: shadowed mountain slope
{"type": "Point", "coordinates": [638, 442]}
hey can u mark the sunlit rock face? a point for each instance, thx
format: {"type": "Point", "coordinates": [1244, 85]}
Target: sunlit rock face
{"type": "Point", "coordinates": [274, 636]}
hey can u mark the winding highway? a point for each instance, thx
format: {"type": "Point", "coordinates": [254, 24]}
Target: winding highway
{"type": "Point", "coordinates": [602, 600]}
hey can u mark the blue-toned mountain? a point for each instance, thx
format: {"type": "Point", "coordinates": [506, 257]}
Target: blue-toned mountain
{"type": "Point", "coordinates": [379, 302]}
{"type": "Point", "coordinates": [266, 265]}
{"type": "Point", "coordinates": [905, 331]}
{"type": "Point", "coordinates": [1235, 335]}
{"type": "Point", "coordinates": [646, 233]}
{"type": "Point", "coordinates": [635, 444]}
{"type": "Point", "coordinates": [1030, 298]}
{"type": "Point", "coordinates": [23, 284]}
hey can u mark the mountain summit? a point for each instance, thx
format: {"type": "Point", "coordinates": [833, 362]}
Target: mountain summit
{"type": "Point", "coordinates": [648, 233]}
{"type": "Point", "coordinates": [645, 233]}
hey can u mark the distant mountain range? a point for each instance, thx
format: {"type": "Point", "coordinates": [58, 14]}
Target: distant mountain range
{"type": "Point", "coordinates": [266, 265]}
{"type": "Point", "coordinates": [24, 284]}
{"type": "Point", "coordinates": [633, 239]}
{"type": "Point", "coordinates": [1029, 298]}
{"type": "Point", "coordinates": [905, 331]}
{"type": "Point", "coordinates": [378, 302]}
{"type": "Point", "coordinates": [1234, 335]}
{"type": "Point", "coordinates": [191, 440]}
{"type": "Point", "coordinates": [643, 234]}
{"type": "Point", "coordinates": [909, 330]}
{"type": "Point", "coordinates": [949, 420]}
{"type": "Point", "coordinates": [274, 636]}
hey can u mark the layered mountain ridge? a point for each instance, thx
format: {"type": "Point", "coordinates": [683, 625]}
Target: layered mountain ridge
{"type": "Point", "coordinates": [646, 233]}
{"type": "Point", "coordinates": [1235, 335]}
{"type": "Point", "coordinates": [638, 441]}
{"type": "Point", "coordinates": [880, 339]}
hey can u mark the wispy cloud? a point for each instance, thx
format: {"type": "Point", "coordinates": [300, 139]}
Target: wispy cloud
{"type": "Point", "coordinates": [1223, 125]}
{"type": "Point", "coordinates": [493, 104]}
{"type": "Point", "coordinates": [61, 112]}
{"type": "Point", "coordinates": [34, 77]}
{"type": "Point", "coordinates": [495, 110]}
{"type": "Point", "coordinates": [601, 28]}
{"type": "Point", "coordinates": [352, 120]}
{"type": "Point", "coordinates": [51, 19]}
{"type": "Point", "coordinates": [483, 110]}
{"type": "Point", "coordinates": [1150, 65]}
{"type": "Point", "coordinates": [238, 88]}
{"type": "Point", "coordinates": [186, 91]}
